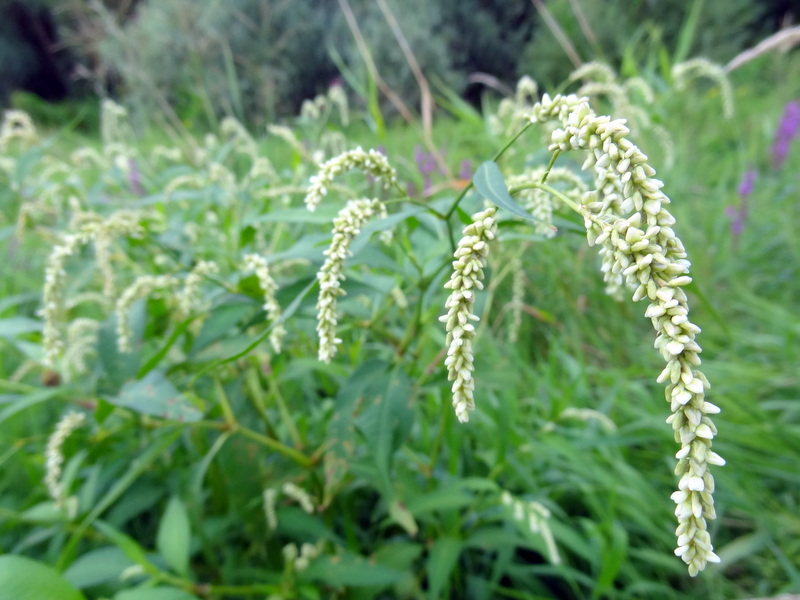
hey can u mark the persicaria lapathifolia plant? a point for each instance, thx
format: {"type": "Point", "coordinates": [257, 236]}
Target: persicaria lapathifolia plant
{"type": "Point", "coordinates": [644, 249]}
{"type": "Point", "coordinates": [625, 214]}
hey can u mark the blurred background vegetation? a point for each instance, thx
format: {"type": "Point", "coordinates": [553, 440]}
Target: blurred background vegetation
{"type": "Point", "coordinates": [570, 415]}
{"type": "Point", "coordinates": [259, 59]}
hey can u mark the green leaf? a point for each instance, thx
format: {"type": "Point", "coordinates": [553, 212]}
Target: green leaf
{"type": "Point", "coordinates": [323, 215]}
{"type": "Point", "coordinates": [154, 593]}
{"type": "Point", "coordinates": [174, 536]}
{"type": "Point", "coordinates": [389, 222]}
{"type": "Point", "coordinates": [401, 515]}
{"type": "Point", "coordinates": [686, 35]}
{"type": "Point", "coordinates": [442, 559]}
{"type": "Point", "coordinates": [26, 401]}
{"type": "Point", "coordinates": [155, 395]}
{"type": "Point", "coordinates": [491, 185]}
{"type": "Point", "coordinates": [116, 366]}
{"type": "Point", "coordinates": [614, 554]}
{"type": "Point", "coordinates": [350, 570]}
{"type": "Point", "coordinates": [244, 349]}
{"type": "Point", "coordinates": [341, 436]}
{"type": "Point", "coordinates": [154, 360]}
{"type": "Point", "coordinates": [222, 322]}
{"type": "Point", "coordinates": [137, 467]}
{"type": "Point", "coordinates": [126, 544]}
{"type": "Point", "coordinates": [385, 423]}
{"type": "Point", "coordinates": [25, 579]}
{"type": "Point", "coordinates": [11, 328]}
{"type": "Point", "coordinates": [98, 566]}
{"type": "Point", "coordinates": [447, 498]}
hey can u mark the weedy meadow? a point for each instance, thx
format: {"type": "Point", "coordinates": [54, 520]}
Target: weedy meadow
{"type": "Point", "coordinates": [314, 367]}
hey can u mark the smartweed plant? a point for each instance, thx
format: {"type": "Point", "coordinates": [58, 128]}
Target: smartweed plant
{"type": "Point", "coordinates": [177, 309]}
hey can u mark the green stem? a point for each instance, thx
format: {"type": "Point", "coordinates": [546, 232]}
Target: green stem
{"type": "Point", "coordinates": [550, 190]}
{"type": "Point", "coordinates": [496, 157]}
{"type": "Point", "coordinates": [285, 414]}
{"type": "Point", "coordinates": [550, 166]}
{"type": "Point", "coordinates": [296, 456]}
{"type": "Point", "coordinates": [262, 439]}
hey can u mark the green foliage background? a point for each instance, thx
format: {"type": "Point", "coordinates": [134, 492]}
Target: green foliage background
{"type": "Point", "coordinates": [188, 431]}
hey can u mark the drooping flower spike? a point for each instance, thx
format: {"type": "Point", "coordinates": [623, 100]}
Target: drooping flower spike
{"type": "Point", "coordinates": [627, 216]}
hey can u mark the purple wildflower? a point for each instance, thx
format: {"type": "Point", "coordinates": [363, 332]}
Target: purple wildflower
{"type": "Point", "coordinates": [426, 164]}
{"type": "Point", "coordinates": [465, 172]}
{"type": "Point", "coordinates": [788, 127]}
{"type": "Point", "coordinates": [738, 214]}
{"type": "Point", "coordinates": [747, 184]}
{"type": "Point", "coordinates": [135, 177]}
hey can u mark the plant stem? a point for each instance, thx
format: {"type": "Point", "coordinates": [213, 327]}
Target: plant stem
{"type": "Point", "coordinates": [495, 158]}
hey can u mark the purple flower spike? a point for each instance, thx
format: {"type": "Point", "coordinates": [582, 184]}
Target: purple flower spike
{"type": "Point", "coordinates": [465, 172]}
{"type": "Point", "coordinates": [135, 177]}
{"type": "Point", "coordinates": [748, 182]}
{"type": "Point", "coordinates": [787, 130]}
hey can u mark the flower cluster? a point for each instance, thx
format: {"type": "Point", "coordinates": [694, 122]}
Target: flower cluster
{"type": "Point", "coordinates": [81, 339]}
{"type": "Point", "coordinates": [683, 73]}
{"type": "Point", "coordinates": [788, 126]}
{"type": "Point", "coordinates": [346, 226]}
{"type": "Point", "coordinates": [141, 288]}
{"type": "Point", "coordinates": [238, 137]}
{"type": "Point", "coordinates": [534, 516]}
{"type": "Point", "coordinates": [299, 495]}
{"type": "Point", "coordinates": [87, 227]}
{"type": "Point", "coordinates": [258, 264]}
{"type": "Point", "coordinates": [539, 202]}
{"type": "Point", "coordinates": [189, 297]}
{"type": "Point", "coordinates": [300, 559]}
{"type": "Point", "coordinates": [270, 495]}
{"type": "Point", "coordinates": [54, 454]}
{"type": "Point", "coordinates": [644, 250]}
{"type": "Point", "coordinates": [114, 126]}
{"type": "Point", "coordinates": [373, 163]}
{"type": "Point", "coordinates": [511, 112]}
{"type": "Point", "coordinates": [467, 278]}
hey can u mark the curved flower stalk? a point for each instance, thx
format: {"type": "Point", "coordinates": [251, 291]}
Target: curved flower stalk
{"type": "Point", "coordinates": [372, 162]}
{"type": "Point", "coordinates": [189, 297]}
{"type": "Point", "coordinates": [512, 112]}
{"type": "Point", "coordinates": [141, 288]}
{"type": "Point", "coordinates": [54, 455]}
{"type": "Point", "coordinates": [261, 168]}
{"type": "Point", "coordinates": [288, 136]}
{"type": "Point", "coordinates": [684, 72]}
{"type": "Point", "coordinates": [601, 80]}
{"type": "Point", "coordinates": [596, 71]}
{"type": "Point", "coordinates": [236, 134]}
{"type": "Point", "coordinates": [539, 202]}
{"type": "Point", "coordinates": [643, 248]}
{"type": "Point", "coordinates": [467, 278]}
{"type": "Point", "coordinates": [258, 264]}
{"type": "Point", "coordinates": [88, 227]}
{"type": "Point", "coordinates": [534, 517]}
{"type": "Point", "coordinates": [299, 495]}
{"type": "Point", "coordinates": [81, 340]}
{"type": "Point", "coordinates": [270, 495]}
{"type": "Point", "coordinates": [346, 226]}
{"type": "Point", "coordinates": [166, 154]}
